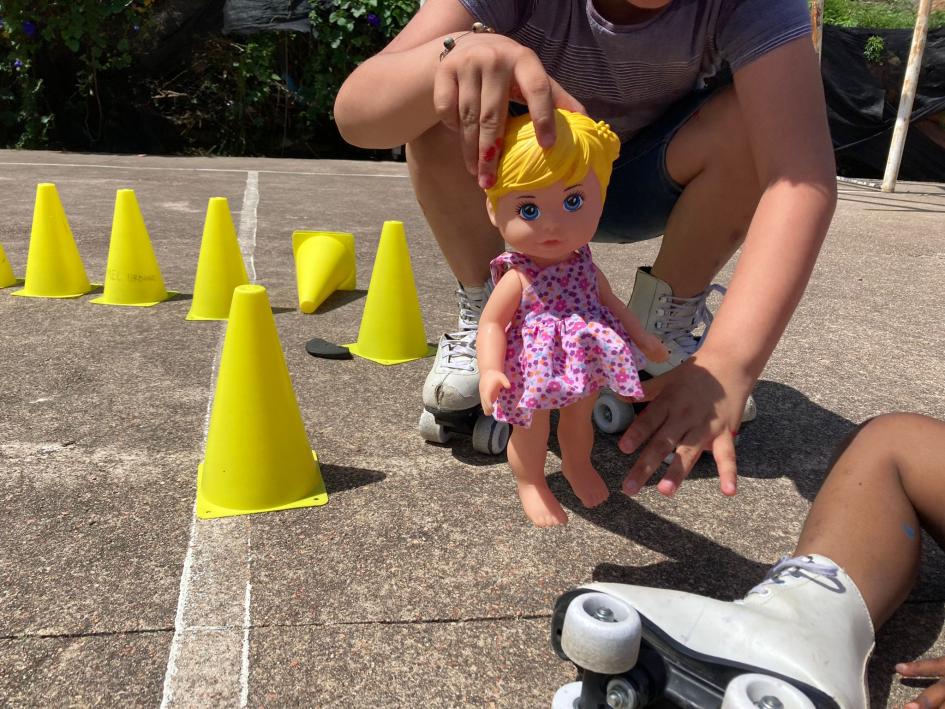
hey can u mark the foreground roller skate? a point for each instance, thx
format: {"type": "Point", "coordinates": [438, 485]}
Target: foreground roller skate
{"type": "Point", "coordinates": [799, 640]}
{"type": "Point", "coordinates": [451, 402]}
{"type": "Point", "coordinates": [673, 320]}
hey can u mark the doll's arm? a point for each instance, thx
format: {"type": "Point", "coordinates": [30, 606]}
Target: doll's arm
{"type": "Point", "coordinates": [491, 341]}
{"type": "Point", "coordinates": [649, 344]}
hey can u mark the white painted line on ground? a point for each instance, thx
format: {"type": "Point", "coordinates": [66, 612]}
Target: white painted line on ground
{"type": "Point", "coordinates": [196, 661]}
{"type": "Point", "coordinates": [205, 169]}
{"type": "Point", "coordinates": [247, 230]}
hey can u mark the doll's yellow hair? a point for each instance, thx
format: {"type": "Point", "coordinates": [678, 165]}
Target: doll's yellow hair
{"type": "Point", "coordinates": [581, 144]}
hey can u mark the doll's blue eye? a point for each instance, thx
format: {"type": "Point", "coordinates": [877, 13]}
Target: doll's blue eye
{"type": "Point", "coordinates": [573, 202]}
{"type": "Point", "coordinates": [529, 212]}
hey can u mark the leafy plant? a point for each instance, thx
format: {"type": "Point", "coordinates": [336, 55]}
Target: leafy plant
{"type": "Point", "coordinates": [874, 48]}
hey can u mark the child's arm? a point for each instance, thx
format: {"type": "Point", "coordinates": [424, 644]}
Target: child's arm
{"type": "Point", "coordinates": [650, 345]}
{"type": "Point", "coordinates": [698, 405]}
{"type": "Point", "coordinates": [491, 341]}
{"type": "Point", "coordinates": [406, 89]}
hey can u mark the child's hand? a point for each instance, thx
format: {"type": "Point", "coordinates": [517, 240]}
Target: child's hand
{"type": "Point", "coordinates": [490, 382]}
{"type": "Point", "coordinates": [472, 88]}
{"type": "Point", "coordinates": [695, 407]}
{"type": "Point", "coordinates": [933, 697]}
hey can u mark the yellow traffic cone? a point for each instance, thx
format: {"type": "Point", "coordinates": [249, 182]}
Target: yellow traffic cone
{"type": "Point", "coordinates": [324, 263]}
{"type": "Point", "coordinates": [220, 266]}
{"type": "Point", "coordinates": [392, 325]}
{"type": "Point", "coordinates": [132, 276]}
{"type": "Point", "coordinates": [7, 278]}
{"type": "Point", "coordinates": [258, 457]}
{"type": "Point", "coordinates": [53, 266]}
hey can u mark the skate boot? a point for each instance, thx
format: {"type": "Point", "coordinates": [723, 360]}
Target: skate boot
{"type": "Point", "coordinates": [673, 320]}
{"type": "Point", "coordinates": [451, 391]}
{"type": "Point", "coordinates": [801, 638]}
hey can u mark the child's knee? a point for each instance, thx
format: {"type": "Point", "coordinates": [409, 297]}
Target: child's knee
{"type": "Point", "coordinates": [437, 146]}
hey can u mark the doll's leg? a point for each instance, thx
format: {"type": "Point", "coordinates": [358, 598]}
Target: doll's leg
{"type": "Point", "coordinates": [576, 438]}
{"type": "Point", "coordinates": [885, 483]}
{"type": "Point", "coordinates": [528, 448]}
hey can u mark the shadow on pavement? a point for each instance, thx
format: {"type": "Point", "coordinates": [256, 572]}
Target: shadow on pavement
{"type": "Point", "coordinates": [338, 478]}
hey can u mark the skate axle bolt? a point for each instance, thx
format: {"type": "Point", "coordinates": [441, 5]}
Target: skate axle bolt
{"type": "Point", "coordinates": [769, 702]}
{"type": "Point", "coordinates": [621, 695]}
{"type": "Point", "coordinates": [605, 614]}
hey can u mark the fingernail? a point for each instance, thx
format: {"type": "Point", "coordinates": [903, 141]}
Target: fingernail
{"type": "Point", "coordinates": [627, 444]}
{"type": "Point", "coordinates": [630, 487]}
{"type": "Point", "coordinates": [486, 181]}
{"type": "Point", "coordinates": [900, 668]}
{"type": "Point", "coordinates": [669, 489]}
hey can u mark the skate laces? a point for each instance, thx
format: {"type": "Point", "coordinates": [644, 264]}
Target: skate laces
{"type": "Point", "coordinates": [458, 349]}
{"type": "Point", "coordinates": [682, 315]}
{"type": "Point", "coordinates": [794, 566]}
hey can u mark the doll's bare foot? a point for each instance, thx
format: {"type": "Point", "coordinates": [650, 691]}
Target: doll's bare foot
{"type": "Point", "coordinates": [587, 484]}
{"type": "Point", "coordinates": [540, 504]}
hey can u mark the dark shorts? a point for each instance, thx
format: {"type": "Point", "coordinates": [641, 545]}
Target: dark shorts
{"type": "Point", "coordinates": [641, 193]}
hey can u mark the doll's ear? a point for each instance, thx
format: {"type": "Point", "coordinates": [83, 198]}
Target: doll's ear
{"type": "Point", "coordinates": [490, 210]}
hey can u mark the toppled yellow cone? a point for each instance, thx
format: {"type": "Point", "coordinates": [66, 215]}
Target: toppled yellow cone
{"type": "Point", "coordinates": [324, 263]}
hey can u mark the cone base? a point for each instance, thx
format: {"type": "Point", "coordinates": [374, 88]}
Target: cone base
{"type": "Point", "coordinates": [191, 316]}
{"type": "Point", "coordinates": [16, 282]}
{"type": "Point", "coordinates": [353, 348]}
{"type": "Point", "coordinates": [26, 294]}
{"type": "Point", "coordinates": [210, 510]}
{"type": "Point", "coordinates": [102, 301]}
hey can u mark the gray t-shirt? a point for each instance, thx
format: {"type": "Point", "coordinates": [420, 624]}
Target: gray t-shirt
{"type": "Point", "coordinates": [628, 75]}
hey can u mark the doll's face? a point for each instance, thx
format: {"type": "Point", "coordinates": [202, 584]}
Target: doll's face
{"type": "Point", "coordinates": [550, 223]}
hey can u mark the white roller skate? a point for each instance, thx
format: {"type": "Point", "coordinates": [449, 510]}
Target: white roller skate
{"type": "Point", "coordinates": [800, 639]}
{"type": "Point", "coordinates": [673, 320]}
{"type": "Point", "coordinates": [451, 391]}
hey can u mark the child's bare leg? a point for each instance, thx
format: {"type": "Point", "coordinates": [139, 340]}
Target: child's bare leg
{"type": "Point", "coordinates": [576, 438]}
{"type": "Point", "coordinates": [528, 448]}
{"type": "Point", "coordinates": [453, 204]}
{"type": "Point", "coordinates": [889, 480]}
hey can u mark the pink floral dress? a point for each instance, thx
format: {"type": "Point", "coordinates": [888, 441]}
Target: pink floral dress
{"type": "Point", "coordinates": [563, 343]}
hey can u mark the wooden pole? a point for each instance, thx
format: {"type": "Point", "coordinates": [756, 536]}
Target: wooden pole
{"type": "Point", "coordinates": [817, 24]}
{"type": "Point", "coordinates": [909, 84]}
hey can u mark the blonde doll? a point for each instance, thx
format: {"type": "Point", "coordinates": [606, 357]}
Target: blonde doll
{"type": "Point", "coordinates": [553, 333]}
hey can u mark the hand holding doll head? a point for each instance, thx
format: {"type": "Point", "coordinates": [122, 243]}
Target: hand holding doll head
{"type": "Point", "coordinates": [547, 203]}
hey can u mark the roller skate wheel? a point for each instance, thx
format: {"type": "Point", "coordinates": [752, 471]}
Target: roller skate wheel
{"type": "Point", "coordinates": [431, 430]}
{"type": "Point", "coordinates": [490, 436]}
{"type": "Point", "coordinates": [757, 691]}
{"type": "Point", "coordinates": [611, 415]}
{"type": "Point", "coordinates": [567, 697]}
{"type": "Point", "coordinates": [601, 633]}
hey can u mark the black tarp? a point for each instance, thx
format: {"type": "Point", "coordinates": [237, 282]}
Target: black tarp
{"type": "Point", "coordinates": [242, 17]}
{"type": "Point", "coordinates": [863, 99]}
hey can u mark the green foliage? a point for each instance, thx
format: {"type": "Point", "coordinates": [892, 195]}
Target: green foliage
{"type": "Point", "coordinates": [876, 14]}
{"type": "Point", "coordinates": [874, 49]}
{"type": "Point", "coordinates": [42, 40]}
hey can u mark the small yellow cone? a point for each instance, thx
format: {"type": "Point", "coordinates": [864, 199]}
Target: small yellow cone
{"type": "Point", "coordinates": [220, 267]}
{"type": "Point", "coordinates": [324, 263]}
{"type": "Point", "coordinates": [53, 266]}
{"type": "Point", "coordinates": [7, 278]}
{"type": "Point", "coordinates": [392, 325]}
{"type": "Point", "coordinates": [132, 276]}
{"type": "Point", "coordinates": [258, 457]}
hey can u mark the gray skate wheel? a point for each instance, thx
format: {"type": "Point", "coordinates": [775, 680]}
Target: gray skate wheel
{"type": "Point", "coordinates": [612, 415]}
{"type": "Point", "coordinates": [431, 430]}
{"type": "Point", "coordinates": [490, 436]}
{"type": "Point", "coordinates": [757, 691]}
{"type": "Point", "coordinates": [601, 633]}
{"type": "Point", "coordinates": [567, 697]}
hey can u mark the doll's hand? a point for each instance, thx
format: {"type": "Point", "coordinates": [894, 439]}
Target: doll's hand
{"type": "Point", "coordinates": [652, 347]}
{"type": "Point", "coordinates": [933, 697]}
{"type": "Point", "coordinates": [490, 382]}
{"type": "Point", "coordinates": [472, 88]}
{"type": "Point", "coordinates": [696, 406]}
